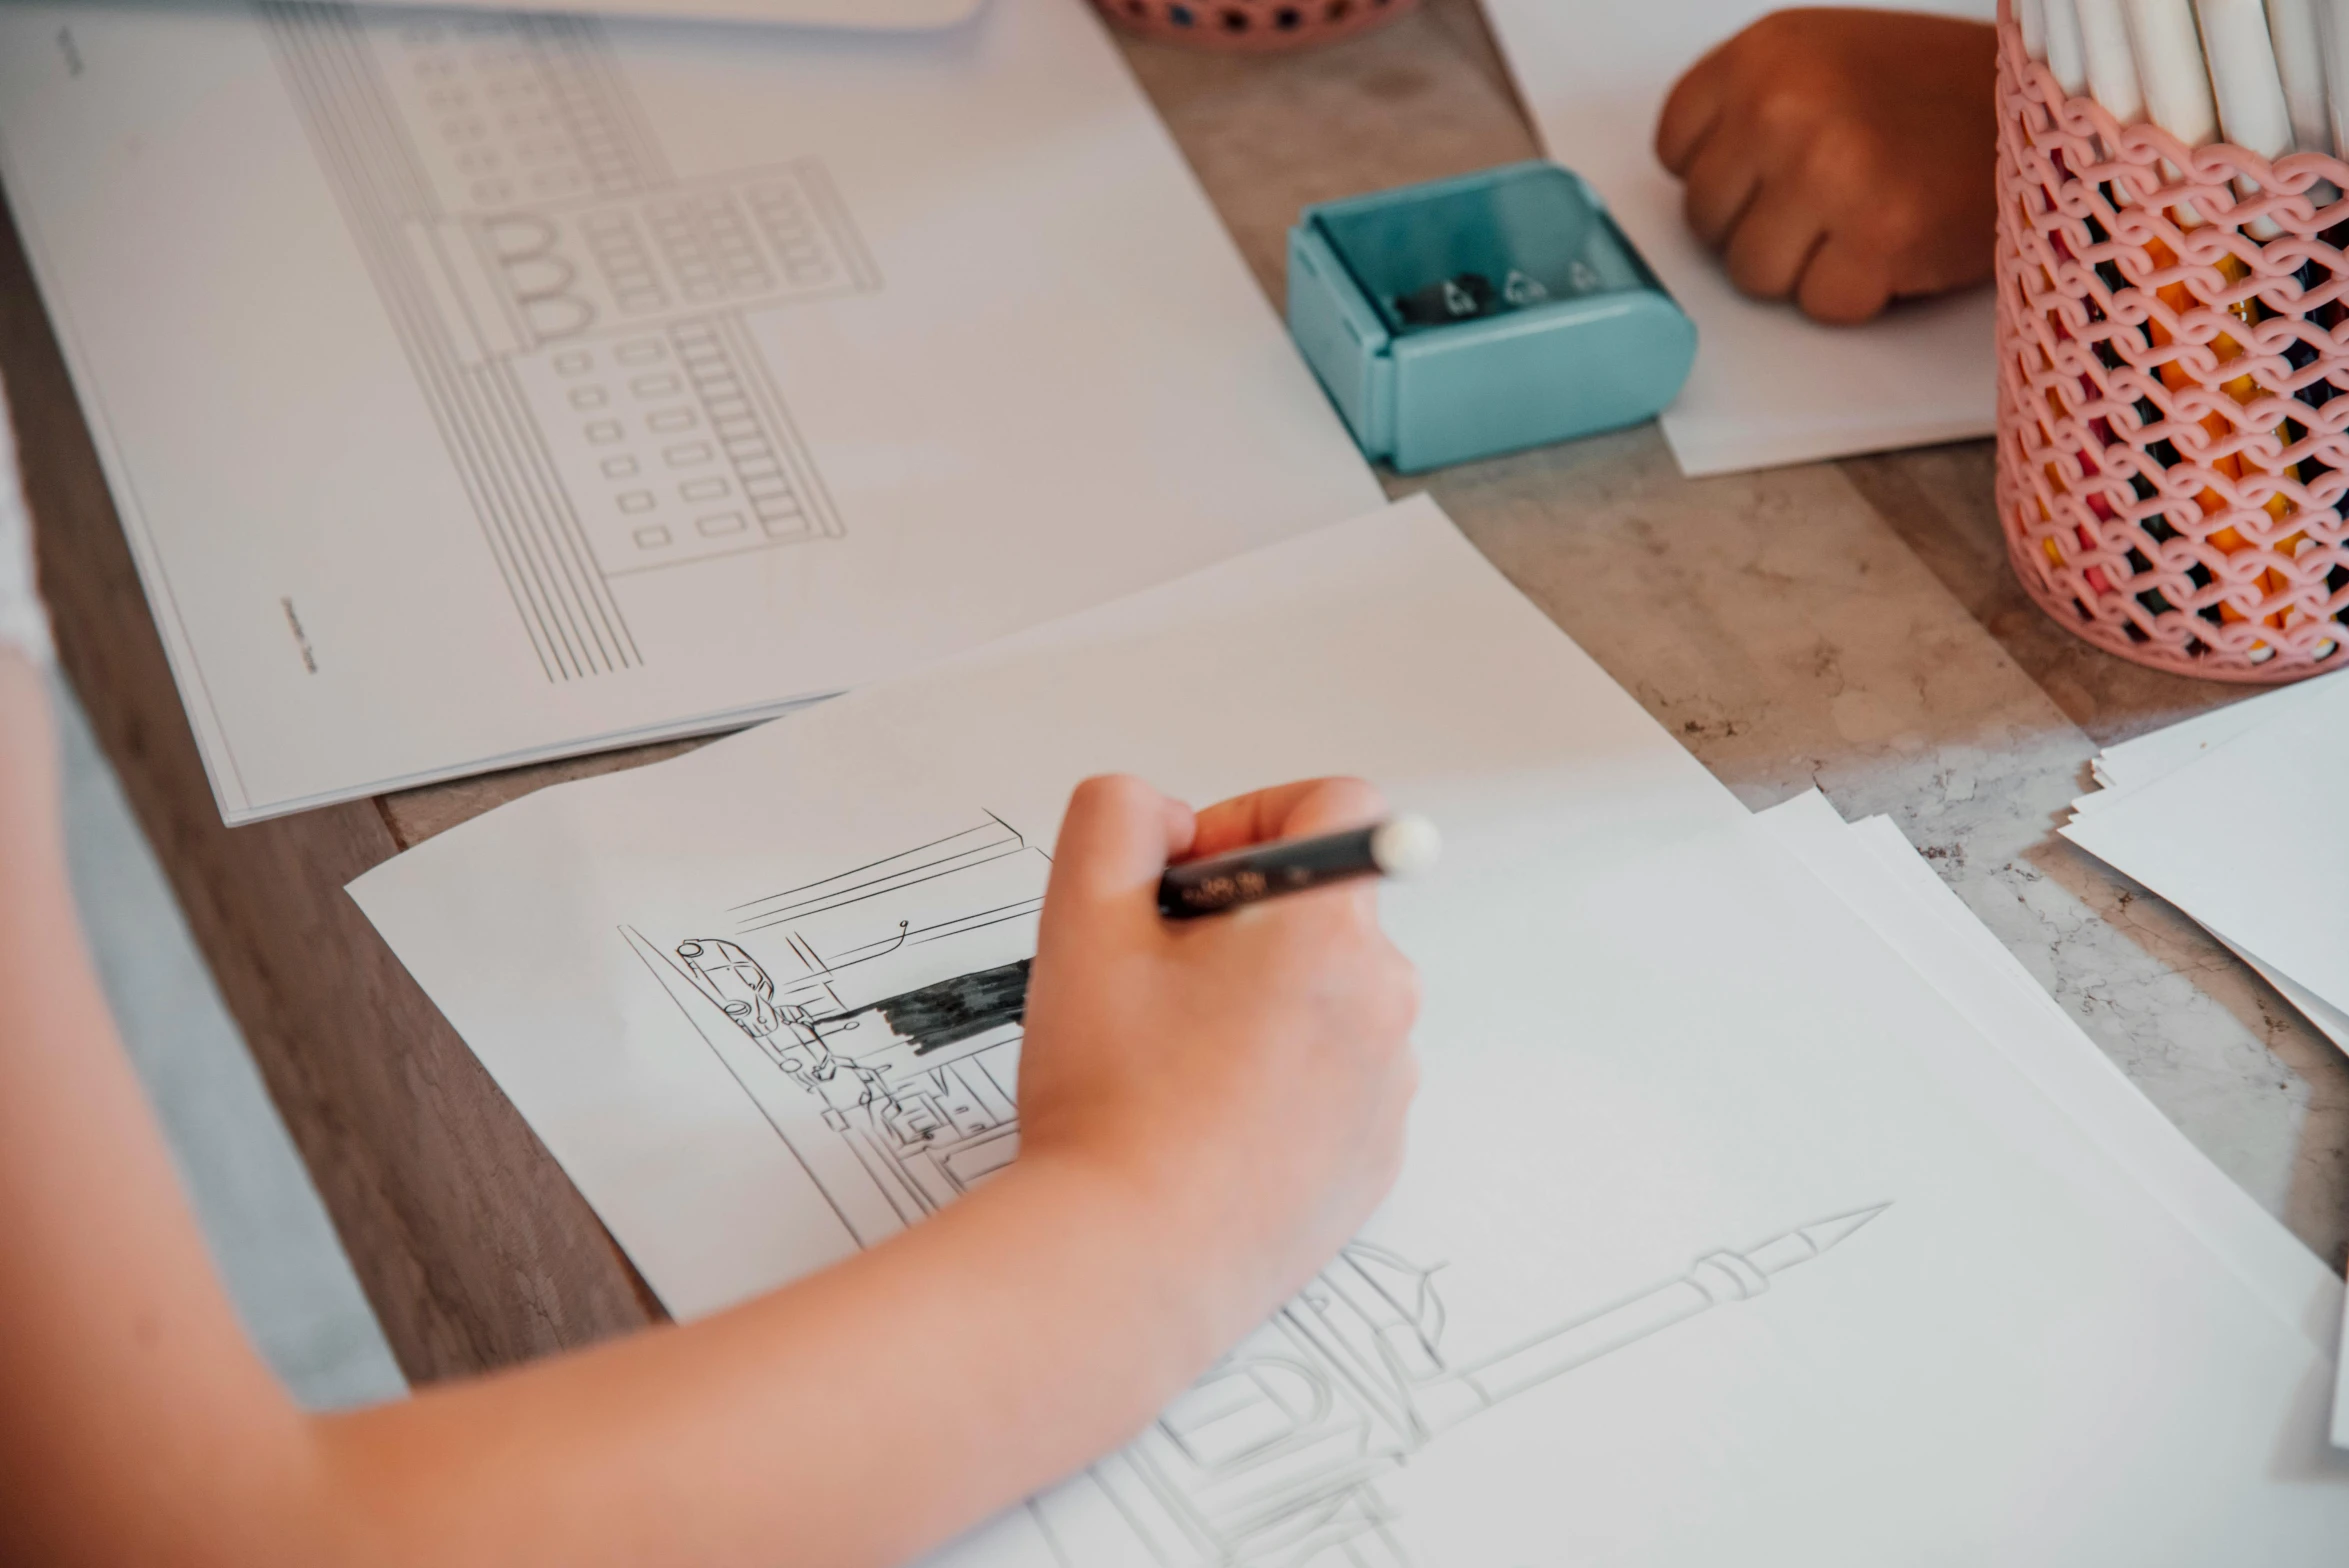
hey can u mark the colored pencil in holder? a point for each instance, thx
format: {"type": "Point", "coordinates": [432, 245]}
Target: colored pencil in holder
{"type": "Point", "coordinates": [2171, 460]}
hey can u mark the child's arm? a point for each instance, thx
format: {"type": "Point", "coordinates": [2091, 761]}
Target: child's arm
{"type": "Point", "coordinates": [1840, 158]}
{"type": "Point", "coordinates": [1207, 1113]}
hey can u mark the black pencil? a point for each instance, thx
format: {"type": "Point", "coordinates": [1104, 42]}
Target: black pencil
{"type": "Point", "coordinates": [1398, 847]}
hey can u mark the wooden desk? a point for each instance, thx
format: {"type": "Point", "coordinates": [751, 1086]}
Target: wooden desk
{"type": "Point", "coordinates": [1849, 625]}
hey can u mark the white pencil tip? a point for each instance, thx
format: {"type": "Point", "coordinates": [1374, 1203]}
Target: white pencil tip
{"type": "Point", "coordinates": [1405, 846]}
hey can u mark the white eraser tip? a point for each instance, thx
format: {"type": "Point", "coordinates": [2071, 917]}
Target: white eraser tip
{"type": "Point", "coordinates": [1405, 846]}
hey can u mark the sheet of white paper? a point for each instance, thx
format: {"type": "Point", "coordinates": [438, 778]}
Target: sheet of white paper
{"type": "Point", "coordinates": [2263, 1251]}
{"type": "Point", "coordinates": [1770, 386]}
{"type": "Point", "coordinates": [2247, 839]}
{"type": "Point", "coordinates": [2134, 763]}
{"type": "Point", "coordinates": [482, 388]}
{"type": "Point", "coordinates": [1723, 1237]}
{"type": "Point", "coordinates": [2212, 1204]}
{"type": "Point", "coordinates": [2331, 1021]}
{"type": "Point", "coordinates": [1874, 870]}
{"type": "Point", "coordinates": [2131, 763]}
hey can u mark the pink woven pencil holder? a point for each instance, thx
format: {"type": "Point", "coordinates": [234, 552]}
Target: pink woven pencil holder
{"type": "Point", "coordinates": [2171, 335]}
{"type": "Point", "coordinates": [1252, 26]}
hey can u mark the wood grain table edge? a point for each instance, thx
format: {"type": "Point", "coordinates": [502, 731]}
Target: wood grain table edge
{"type": "Point", "coordinates": [473, 1247]}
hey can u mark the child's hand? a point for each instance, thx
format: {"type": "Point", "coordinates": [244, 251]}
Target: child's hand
{"type": "Point", "coordinates": [1244, 1076]}
{"type": "Point", "coordinates": [1841, 158]}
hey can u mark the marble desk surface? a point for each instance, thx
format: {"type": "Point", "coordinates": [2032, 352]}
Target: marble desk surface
{"type": "Point", "coordinates": [1851, 626]}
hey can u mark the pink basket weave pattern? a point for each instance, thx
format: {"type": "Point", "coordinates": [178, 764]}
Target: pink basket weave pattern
{"type": "Point", "coordinates": [1252, 26]}
{"type": "Point", "coordinates": [2171, 334]}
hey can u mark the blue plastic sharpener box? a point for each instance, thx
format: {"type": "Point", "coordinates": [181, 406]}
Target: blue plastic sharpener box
{"type": "Point", "coordinates": [1480, 314]}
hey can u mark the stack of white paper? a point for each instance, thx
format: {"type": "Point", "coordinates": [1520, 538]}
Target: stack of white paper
{"type": "Point", "coordinates": [1770, 386]}
{"type": "Point", "coordinates": [1875, 870]}
{"type": "Point", "coordinates": [1750, 1214]}
{"type": "Point", "coordinates": [2233, 817]}
{"type": "Point", "coordinates": [482, 387]}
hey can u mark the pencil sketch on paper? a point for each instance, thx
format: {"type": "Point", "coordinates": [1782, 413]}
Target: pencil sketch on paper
{"type": "Point", "coordinates": [879, 1029]}
{"type": "Point", "coordinates": [874, 1017]}
{"type": "Point", "coordinates": [572, 310]}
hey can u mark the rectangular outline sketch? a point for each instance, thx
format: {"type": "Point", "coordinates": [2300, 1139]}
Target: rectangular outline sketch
{"type": "Point", "coordinates": [572, 311]}
{"type": "Point", "coordinates": [896, 1097]}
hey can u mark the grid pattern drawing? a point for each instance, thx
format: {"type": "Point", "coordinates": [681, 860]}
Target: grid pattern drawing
{"type": "Point", "coordinates": [573, 310]}
{"type": "Point", "coordinates": [677, 446]}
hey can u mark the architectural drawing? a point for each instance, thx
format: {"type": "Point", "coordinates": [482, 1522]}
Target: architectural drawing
{"type": "Point", "coordinates": [1272, 1459]}
{"type": "Point", "coordinates": [572, 310]}
{"type": "Point", "coordinates": [874, 1016]}
{"type": "Point", "coordinates": [878, 1027]}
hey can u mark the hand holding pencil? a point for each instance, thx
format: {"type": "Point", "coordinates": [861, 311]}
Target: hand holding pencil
{"type": "Point", "coordinates": [1238, 1081]}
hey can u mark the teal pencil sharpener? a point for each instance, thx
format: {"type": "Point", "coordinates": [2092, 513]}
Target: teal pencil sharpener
{"type": "Point", "coordinates": [1481, 314]}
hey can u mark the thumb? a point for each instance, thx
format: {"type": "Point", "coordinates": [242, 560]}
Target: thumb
{"type": "Point", "coordinates": [1114, 843]}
